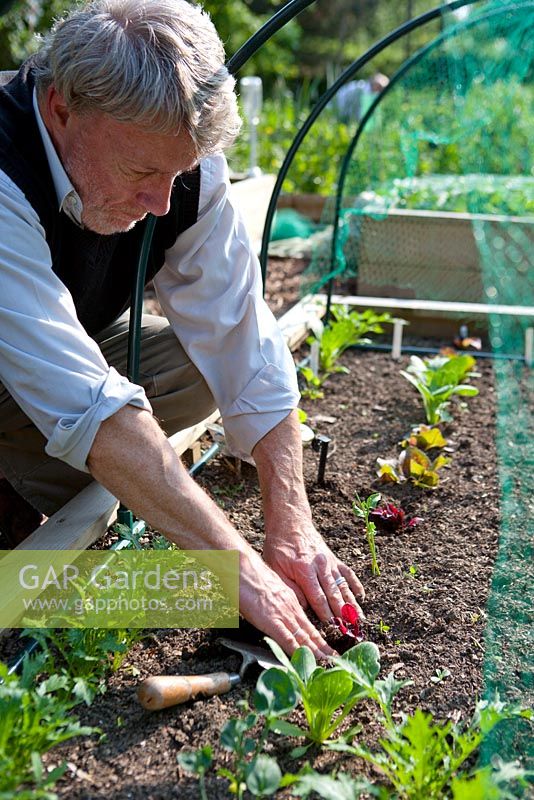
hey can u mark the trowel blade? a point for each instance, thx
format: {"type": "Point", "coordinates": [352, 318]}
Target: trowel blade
{"type": "Point", "coordinates": [251, 653]}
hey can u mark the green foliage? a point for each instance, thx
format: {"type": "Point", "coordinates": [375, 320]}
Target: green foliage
{"type": "Point", "coordinates": [348, 328]}
{"type": "Point", "coordinates": [84, 656]}
{"type": "Point", "coordinates": [485, 194]}
{"type": "Point", "coordinates": [422, 759]}
{"type": "Point", "coordinates": [362, 509]}
{"type": "Point", "coordinates": [424, 150]}
{"type": "Point", "coordinates": [327, 695]}
{"type": "Point", "coordinates": [244, 737]}
{"type": "Point", "coordinates": [237, 21]}
{"type": "Point", "coordinates": [21, 25]}
{"type": "Point", "coordinates": [438, 379]}
{"type": "Point", "coordinates": [316, 164]}
{"type": "Point", "coordinates": [32, 720]}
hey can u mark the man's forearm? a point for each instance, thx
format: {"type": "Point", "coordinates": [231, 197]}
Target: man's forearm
{"type": "Point", "coordinates": [278, 458]}
{"type": "Point", "coordinates": [293, 547]}
{"type": "Point", "coordinates": [131, 457]}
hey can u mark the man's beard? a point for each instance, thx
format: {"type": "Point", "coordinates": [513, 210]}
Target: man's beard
{"type": "Point", "coordinates": [95, 216]}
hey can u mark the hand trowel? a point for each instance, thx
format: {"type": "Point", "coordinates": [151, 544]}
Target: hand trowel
{"type": "Point", "coordinates": [162, 691]}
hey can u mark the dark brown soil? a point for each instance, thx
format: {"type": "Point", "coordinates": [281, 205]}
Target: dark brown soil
{"type": "Point", "coordinates": [431, 592]}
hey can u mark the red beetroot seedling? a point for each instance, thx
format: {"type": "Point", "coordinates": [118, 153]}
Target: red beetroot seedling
{"type": "Point", "coordinates": [349, 622]}
{"type": "Point", "coordinates": [345, 631]}
{"type": "Point", "coordinates": [392, 519]}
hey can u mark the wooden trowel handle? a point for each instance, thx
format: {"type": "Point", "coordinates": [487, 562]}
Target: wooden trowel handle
{"type": "Point", "coordinates": [162, 691]}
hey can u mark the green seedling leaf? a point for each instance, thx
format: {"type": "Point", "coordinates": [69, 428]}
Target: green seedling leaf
{"type": "Point", "coordinates": [440, 675]}
{"type": "Point", "coordinates": [342, 787]}
{"type": "Point", "coordinates": [196, 761]}
{"type": "Point", "coordinates": [389, 688]}
{"type": "Point", "coordinates": [233, 731]}
{"type": "Point", "coordinates": [479, 787]}
{"type": "Point", "coordinates": [304, 663]}
{"type": "Point", "coordinates": [327, 690]}
{"type": "Point", "coordinates": [275, 693]}
{"type": "Point", "coordinates": [363, 662]}
{"type": "Point", "coordinates": [286, 728]}
{"type": "Point", "coordinates": [302, 416]}
{"type": "Point", "coordinates": [263, 776]}
{"type": "Point", "coordinates": [299, 752]}
{"type": "Point", "coordinates": [279, 654]}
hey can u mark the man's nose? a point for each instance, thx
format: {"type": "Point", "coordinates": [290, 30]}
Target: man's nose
{"type": "Point", "coordinates": [156, 197]}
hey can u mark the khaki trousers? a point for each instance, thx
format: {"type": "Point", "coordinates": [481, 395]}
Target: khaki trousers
{"type": "Point", "coordinates": [177, 392]}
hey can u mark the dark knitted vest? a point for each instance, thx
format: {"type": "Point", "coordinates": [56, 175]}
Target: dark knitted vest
{"type": "Point", "coordinates": [98, 270]}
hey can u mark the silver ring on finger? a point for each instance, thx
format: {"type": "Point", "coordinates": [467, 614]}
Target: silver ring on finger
{"type": "Point", "coordinates": [339, 581]}
{"type": "Point", "coordinates": [296, 633]}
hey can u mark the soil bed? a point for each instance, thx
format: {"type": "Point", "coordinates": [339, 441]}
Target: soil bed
{"type": "Point", "coordinates": [431, 593]}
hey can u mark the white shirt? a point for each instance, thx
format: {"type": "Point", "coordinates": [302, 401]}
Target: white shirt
{"type": "Point", "coordinates": [209, 288]}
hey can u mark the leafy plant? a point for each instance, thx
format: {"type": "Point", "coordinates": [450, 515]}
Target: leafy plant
{"type": "Point", "coordinates": [422, 759]}
{"type": "Point", "coordinates": [328, 695]}
{"type": "Point", "coordinates": [362, 509]}
{"type": "Point", "coordinates": [251, 769]}
{"type": "Point", "coordinates": [440, 675]}
{"type": "Point", "coordinates": [198, 762]}
{"type": "Point", "coordinates": [33, 720]}
{"type": "Point", "coordinates": [313, 389]}
{"type": "Point", "coordinates": [84, 656]}
{"type": "Point", "coordinates": [413, 465]}
{"type": "Point", "coordinates": [425, 438]}
{"type": "Point", "coordinates": [347, 329]}
{"type": "Point", "coordinates": [437, 380]}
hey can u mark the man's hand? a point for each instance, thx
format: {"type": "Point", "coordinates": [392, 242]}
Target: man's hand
{"type": "Point", "coordinates": [271, 606]}
{"type": "Point", "coordinates": [293, 547]}
{"type": "Point", "coordinates": [311, 569]}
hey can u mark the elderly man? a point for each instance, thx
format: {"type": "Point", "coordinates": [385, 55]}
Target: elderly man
{"type": "Point", "coordinates": [125, 111]}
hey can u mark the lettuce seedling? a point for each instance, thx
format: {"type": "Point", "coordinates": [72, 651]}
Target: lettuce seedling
{"type": "Point", "coordinates": [425, 438]}
{"type": "Point", "coordinates": [439, 378]}
{"type": "Point", "coordinates": [347, 329]}
{"type": "Point", "coordinates": [413, 465]}
{"type": "Point", "coordinates": [328, 695]}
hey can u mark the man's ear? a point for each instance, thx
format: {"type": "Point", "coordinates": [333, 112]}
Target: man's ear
{"type": "Point", "coordinates": [56, 109]}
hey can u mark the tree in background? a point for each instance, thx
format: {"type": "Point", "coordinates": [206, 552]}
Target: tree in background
{"type": "Point", "coordinates": [317, 44]}
{"type": "Point", "coordinates": [236, 21]}
{"type": "Point", "coordinates": [21, 21]}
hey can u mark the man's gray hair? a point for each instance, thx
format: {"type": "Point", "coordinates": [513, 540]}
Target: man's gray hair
{"type": "Point", "coordinates": [156, 63]}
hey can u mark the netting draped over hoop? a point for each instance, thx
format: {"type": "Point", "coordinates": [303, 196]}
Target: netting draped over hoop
{"type": "Point", "coordinates": [436, 202]}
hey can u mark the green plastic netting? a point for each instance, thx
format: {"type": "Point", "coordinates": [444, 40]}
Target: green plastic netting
{"type": "Point", "coordinates": [436, 202]}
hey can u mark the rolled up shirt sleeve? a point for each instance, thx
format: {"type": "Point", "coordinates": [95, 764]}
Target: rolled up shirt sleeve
{"type": "Point", "coordinates": [211, 291]}
{"type": "Point", "coordinates": [48, 363]}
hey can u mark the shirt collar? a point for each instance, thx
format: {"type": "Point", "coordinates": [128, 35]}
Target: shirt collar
{"type": "Point", "coordinates": [68, 198]}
